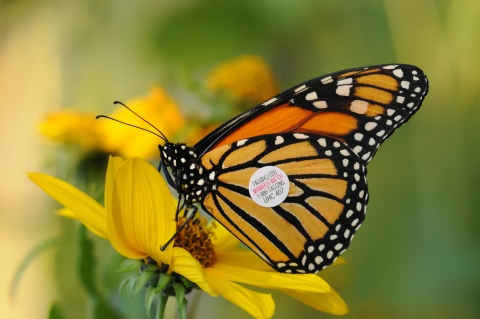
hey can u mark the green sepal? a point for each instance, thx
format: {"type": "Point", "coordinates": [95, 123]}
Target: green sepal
{"type": "Point", "coordinates": [182, 309]}
{"type": "Point", "coordinates": [145, 277]}
{"type": "Point", "coordinates": [162, 303]}
{"type": "Point", "coordinates": [131, 283]}
{"type": "Point", "coordinates": [149, 297]}
{"type": "Point", "coordinates": [129, 265]}
{"type": "Point", "coordinates": [179, 293]}
{"type": "Point", "coordinates": [187, 283]}
{"type": "Point", "coordinates": [163, 282]}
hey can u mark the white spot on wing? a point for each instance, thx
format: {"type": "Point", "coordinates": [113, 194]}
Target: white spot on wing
{"type": "Point", "coordinates": [241, 142]}
{"type": "Point", "coordinates": [345, 81]}
{"type": "Point", "coordinates": [311, 96]}
{"type": "Point", "coordinates": [358, 136]}
{"type": "Point", "coordinates": [344, 90]}
{"type": "Point", "coordinates": [322, 142]}
{"type": "Point", "coordinates": [300, 88]}
{"type": "Point", "coordinates": [359, 106]}
{"type": "Point", "coordinates": [300, 136]}
{"type": "Point", "coordinates": [273, 99]}
{"type": "Point", "coordinates": [398, 73]}
{"type": "Point", "coordinates": [405, 84]}
{"type": "Point", "coordinates": [279, 140]}
{"type": "Point", "coordinates": [400, 99]}
{"type": "Point", "coordinates": [370, 126]}
{"type": "Point", "coordinates": [320, 104]}
{"type": "Point", "coordinates": [327, 80]}
{"type": "Point", "coordinates": [389, 67]}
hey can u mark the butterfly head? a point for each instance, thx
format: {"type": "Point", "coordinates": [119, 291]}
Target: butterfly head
{"type": "Point", "coordinates": [187, 171]}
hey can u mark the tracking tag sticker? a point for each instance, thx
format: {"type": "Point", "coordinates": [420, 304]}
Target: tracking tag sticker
{"type": "Point", "coordinates": [269, 186]}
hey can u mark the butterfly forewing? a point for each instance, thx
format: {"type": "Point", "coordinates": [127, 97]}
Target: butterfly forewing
{"type": "Point", "coordinates": [324, 207]}
{"type": "Point", "coordinates": [361, 107]}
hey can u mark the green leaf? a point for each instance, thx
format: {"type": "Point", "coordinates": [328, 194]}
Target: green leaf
{"type": "Point", "coordinates": [53, 242]}
{"type": "Point", "coordinates": [179, 293]}
{"type": "Point", "coordinates": [55, 312]}
{"type": "Point", "coordinates": [151, 293]}
{"type": "Point", "coordinates": [129, 265]}
{"type": "Point", "coordinates": [162, 302]}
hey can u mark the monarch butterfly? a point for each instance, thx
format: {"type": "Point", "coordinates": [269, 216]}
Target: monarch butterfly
{"type": "Point", "coordinates": [306, 150]}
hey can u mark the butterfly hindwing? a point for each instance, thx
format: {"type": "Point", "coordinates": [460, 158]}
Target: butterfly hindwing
{"type": "Point", "coordinates": [324, 207]}
{"type": "Point", "coordinates": [361, 107]}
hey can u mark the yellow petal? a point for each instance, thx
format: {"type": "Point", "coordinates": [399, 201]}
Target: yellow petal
{"type": "Point", "coordinates": [65, 212]}
{"type": "Point", "coordinates": [223, 241]}
{"type": "Point", "coordinates": [187, 266]}
{"type": "Point", "coordinates": [267, 279]}
{"type": "Point", "coordinates": [114, 164]}
{"type": "Point", "coordinates": [142, 212]}
{"type": "Point", "coordinates": [242, 258]}
{"type": "Point", "coordinates": [257, 304]}
{"type": "Point", "coordinates": [124, 248]}
{"type": "Point", "coordinates": [329, 302]}
{"type": "Point", "coordinates": [87, 210]}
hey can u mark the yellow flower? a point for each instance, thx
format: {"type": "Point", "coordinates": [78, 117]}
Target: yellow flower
{"type": "Point", "coordinates": [158, 108]}
{"type": "Point", "coordinates": [72, 127]}
{"type": "Point", "coordinates": [82, 129]}
{"type": "Point", "coordinates": [138, 219]}
{"type": "Point", "coordinates": [247, 78]}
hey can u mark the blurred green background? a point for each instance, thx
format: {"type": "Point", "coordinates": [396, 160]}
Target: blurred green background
{"type": "Point", "coordinates": [416, 256]}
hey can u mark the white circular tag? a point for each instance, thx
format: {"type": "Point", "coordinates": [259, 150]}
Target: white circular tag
{"type": "Point", "coordinates": [269, 186]}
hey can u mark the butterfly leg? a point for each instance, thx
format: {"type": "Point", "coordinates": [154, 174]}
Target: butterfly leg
{"type": "Point", "coordinates": [193, 212]}
{"type": "Point", "coordinates": [166, 172]}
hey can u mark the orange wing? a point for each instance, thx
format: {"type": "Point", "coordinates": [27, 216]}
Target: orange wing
{"type": "Point", "coordinates": [360, 107]}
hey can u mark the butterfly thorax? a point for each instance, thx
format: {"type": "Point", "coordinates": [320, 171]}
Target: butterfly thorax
{"type": "Point", "coordinates": [190, 179]}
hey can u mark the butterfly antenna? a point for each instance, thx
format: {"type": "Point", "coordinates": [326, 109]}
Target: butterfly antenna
{"type": "Point", "coordinates": [141, 128]}
{"type": "Point", "coordinates": [156, 129]}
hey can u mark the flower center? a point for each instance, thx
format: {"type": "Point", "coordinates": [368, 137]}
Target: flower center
{"type": "Point", "coordinates": [196, 238]}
